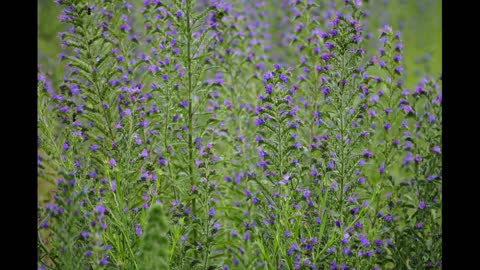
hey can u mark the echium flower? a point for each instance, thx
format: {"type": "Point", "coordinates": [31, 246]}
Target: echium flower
{"type": "Point", "coordinates": [331, 85]}
{"type": "Point", "coordinates": [179, 68]}
{"type": "Point", "coordinates": [276, 120]}
{"type": "Point", "coordinates": [423, 139]}
{"type": "Point", "coordinates": [100, 67]}
{"type": "Point", "coordinates": [191, 105]}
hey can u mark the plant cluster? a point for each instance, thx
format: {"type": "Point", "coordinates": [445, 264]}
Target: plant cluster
{"type": "Point", "coordinates": [179, 138]}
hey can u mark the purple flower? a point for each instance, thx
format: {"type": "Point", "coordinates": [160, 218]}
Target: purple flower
{"type": "Point", "coordinates": [100, 209]}
{"type": "Point", "coordinates": [398, 69]}
{"type": "Point", "coordinates": [112, 162]}
{"type": "Point", "coordinates": [125, 27]}
{"type": "Point", "coordinates": [325, 56]}
{"type": "Point", "coordinates": [367, 153]}
{"type": "Point", "coordinates": [361, 162]}
{"type": "Point", "coordinates": [179, 14]}
{"type": "Point", "coordinates": [92, 174]}
{"type": "Point", "coordinates": [211, 212]}
{"type": "Point", "coordinates": [138, 229]}
{"type": "Point", "coordinates": [330, 165]}
{"type": "Point", "coordinates": [382, 167]}
{"type": "Point", "coordinates": [357, 224]}
{"type": "Point", "coordinates": [267, 76]}
{"type": "Point", "coordinates": [363, 240]}
{"type": "Point", "coordinates": [408, 109]}
{"type": "Point", "coordinates": [66, 146]}
{"type": "Point", "coordinates": [398, 46]}
{"type": "Point", "coordinates": [422, 205]}
{"type": "Point", "coordinates": [183, 103]}
{"type": "Point", "coordinates": [361, 179]}
{"type": "Point", "coordinates": [233, 233]}
{"type": "Point", "coordinates": [152, 68]}
{"type": "Point", "coordinates": [329, 45]}
{"type": "Point", "coordinates": [306, 193]}
{"type": "Point", "coordinates": [43, 224]}
{"type": "Point", "coordinates": [357, 38]}
{"type": "Point", "coordinates": [268, 88]}
{"type": "Point", "coordinates": [386, 29]}
{"type": "Point", "coordinates": [103, 260]}
{"type": "Point", "coordinates": [325, 90]}
{"type": "Point", "coordinates": [258, 121]}
{"type": "Point", "coordinates": [246, 236]}
{"type": "Point", "coordinates": [144, 153]}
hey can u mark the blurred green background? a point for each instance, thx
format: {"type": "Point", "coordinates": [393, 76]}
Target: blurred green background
{"type": "Point", "coordinates": [420, 22]}
{"type": "Point", "coordinates": [48, 27]}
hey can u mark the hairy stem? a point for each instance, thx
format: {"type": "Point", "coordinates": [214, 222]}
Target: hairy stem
{"type": "Point", "coordinates": [190, 111]}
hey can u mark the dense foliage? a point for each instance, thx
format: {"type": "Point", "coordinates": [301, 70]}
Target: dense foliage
{"type": "Point", "coordinates": [177, 139]}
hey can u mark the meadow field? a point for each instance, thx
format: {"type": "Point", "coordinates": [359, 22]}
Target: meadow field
{"type": "Point", "coordinates": [211, 134]}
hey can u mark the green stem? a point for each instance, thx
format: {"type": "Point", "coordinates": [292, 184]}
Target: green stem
{"type": "Point", "coordinates": [190, 111]}
{"type": "Point", "coordinates": [342, 144]}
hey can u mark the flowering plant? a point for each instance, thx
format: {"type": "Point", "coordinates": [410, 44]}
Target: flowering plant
{"type": "Point", "coordinates": [177, 139]}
